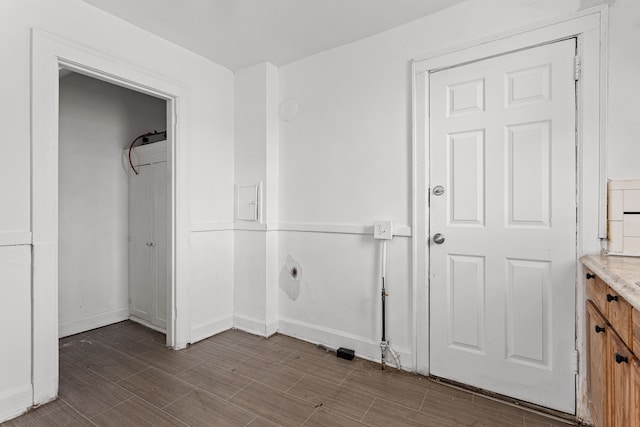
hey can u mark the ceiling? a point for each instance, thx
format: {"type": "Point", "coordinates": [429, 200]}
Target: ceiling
{"type": "Point", "coordinates": [240, 33]}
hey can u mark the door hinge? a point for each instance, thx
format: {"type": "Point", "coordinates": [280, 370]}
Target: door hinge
{"type": "Point", "coordinates": [577, 68]}
{"type": "Point", "coordinates": [575, 361]}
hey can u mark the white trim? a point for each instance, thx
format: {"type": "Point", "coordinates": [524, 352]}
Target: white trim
{"type": "Point", "coordinates": [200, 227]}
{"type": "Point", "coordinates": [399, 230]}
{"type": "Point", "coordinates": [19, 397]}
{"type": "Point", "coordinates": [50, 52]}
{"type": "Point", "coordinates": [590, 27]}
{"type": "Point", "coordinates": [209, 329]}
{"type": "Point", "coordinates": [92, 322]}
{"type": "Point", "coordinates": [358, 229]}
{"type": "Point", "coordinates": [250, 226]}
{"type": "Point", "coordinates": [253, 325]}
{"type": "Point", "coordinates": [364, 348]}
{"type": "Point", "coordinates": [146, 324]}
{"type": "Point", "coordinates": [15, 238]}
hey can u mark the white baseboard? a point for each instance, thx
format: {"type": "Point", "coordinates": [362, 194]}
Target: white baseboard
{"type": "Point", "coordinates": [209, 329]}
{"type": "Point", "coordinates": [333, 339]}
{"type": "Point", "coordinates": [272, 328]}
{"type": "Point", "coordinates": [250, 324]}
{"type": "Point", "coordinates": [92, 322]}
{"type": "Point", "coordinates": [147, 324]}
{"type": "Point", "coordinates": [15, 402]}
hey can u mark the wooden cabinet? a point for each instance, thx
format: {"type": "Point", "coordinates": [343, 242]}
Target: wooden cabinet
{"type": "Point", "coordinates": [597, 368]}
{"type": "Point", "coordinates": [613, 376]}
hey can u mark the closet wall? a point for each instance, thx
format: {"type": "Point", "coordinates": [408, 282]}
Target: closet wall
{"type": "Point", "coordinates": [97, 121]}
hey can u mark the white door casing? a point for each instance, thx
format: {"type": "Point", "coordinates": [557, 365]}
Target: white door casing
{"type": "Point", "coordinates": [48, 53]}
{"type": "Point", "coordinates": [502, 144]}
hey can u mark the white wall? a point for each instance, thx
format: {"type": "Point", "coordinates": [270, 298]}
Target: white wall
{"type": "Point", "coordinates": [210, 130]}
{"type": "Point", "coordinates": [97, 122]}
{"type": "Point", "coordinates": [256, 157]}
{"type": "Point", "coordinates": [346, 159]}
{"type": "Point", "coordinates": [624, 69]}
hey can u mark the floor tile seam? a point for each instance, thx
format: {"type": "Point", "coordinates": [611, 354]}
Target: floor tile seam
{"type": "Point", "coordinates": [409, 408]}
{"type": "Point", "coordinates": [275, 364]}
{"type": "Point", "coordinates": [258, 355]}
{"type": "Point", "coordinates": [363, 389]}
{"type": "Point", "coordinates": [178, 398]}
{"type": "Point", "coordinates": [337, 383]}
{"type": "Point", "coordinates": [296, 383]}
{"type": "Point", "coordinates": [347, 376]}
{"type": "Point", "coordinates": [368, 409]}
{"type": "Point", "coordinates": [112, 407]}
{"type": "Point", "coordinates": [179, 372]}
{"type": "Point", "coordinates": [155, 407]}
{"type": "Point", "coordinates": [112, 380]}
{"type": "Point", "coordinates": [228, 399]}
{"type": "Point", "coordinates": [78, 412]}
{"type": "Point", "coordinates": [181, 423]}
{"type": "Point", "coordinates": [423, 400]}
{"type": "Point", "coordinates": [522, 409]}
{"type": "Point", "coordinates": [311, 415]}
{"type": "Point", "coordinates": [252, 420]}
{"type": "Point", "coordinates": [290, 396]}
{"type": "Point", "coordinates": [132, 375]}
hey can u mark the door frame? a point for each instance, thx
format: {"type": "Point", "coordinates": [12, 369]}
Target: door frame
{"type": "Point", "coordinates": [590, 29]}
{"type": "Point", "coordinates": [49, 53]}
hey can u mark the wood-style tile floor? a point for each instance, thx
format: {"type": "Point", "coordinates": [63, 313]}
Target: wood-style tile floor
{"type": "Point", "coordinates": [122, 375]}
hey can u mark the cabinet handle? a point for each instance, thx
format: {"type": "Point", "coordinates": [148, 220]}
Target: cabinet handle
{"type": "Point", "coordinates": [590, 276]}
{"type": "Point", "coordinates": [612, 298]}
{"type": "Point", "coordinates": [599, 329]}
{"type": "Point", "coordinates": [620, 358]}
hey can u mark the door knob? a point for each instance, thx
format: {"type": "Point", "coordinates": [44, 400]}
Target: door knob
{"type": "Point", "coordinates": [599, 329]}
{"type": "Point", "coordinates": [438, 238]}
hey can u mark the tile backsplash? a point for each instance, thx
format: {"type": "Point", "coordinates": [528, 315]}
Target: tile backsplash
{"type": "Point", "coordinates": [623, 217]}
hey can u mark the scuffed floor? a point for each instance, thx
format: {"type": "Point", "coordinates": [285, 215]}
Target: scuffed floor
{"type": "Point", "coordinates": [122, 375]}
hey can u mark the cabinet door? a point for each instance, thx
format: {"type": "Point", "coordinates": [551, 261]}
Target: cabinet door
{"type": "Point", "coordinates": [634, 406]}
{"type": "Point", "coordinates": [141, 264]}
{"type": "Point", "coordinates": [620, 360]}
{"type": "Point", "coordinates": [597, 364]}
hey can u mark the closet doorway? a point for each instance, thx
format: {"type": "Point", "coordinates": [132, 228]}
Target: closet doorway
{"type": "Point", "coordinates": [114, 216]}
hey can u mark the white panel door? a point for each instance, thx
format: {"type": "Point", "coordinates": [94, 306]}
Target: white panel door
{"type": "Point", "coordinates": [148, 230]}
{"type": "Point", "coordinates": [161, 228]}
{"type": "Point", "coordinates": [141, 265]}
{"type": "Point", "coordinates": [502, 283]}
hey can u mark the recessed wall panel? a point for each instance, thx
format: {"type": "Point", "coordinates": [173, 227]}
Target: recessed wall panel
{"type": "Point", "coordinates": [466, 178]}
{"type": "Point", "coordinates": [465, 98]}
{"type": "Point", "coordinates": [466, 300]}
{"type": "Point", "coordinates": [529, 174]}
{"type": "Point", "coordinates": [528, 309]}
{"type": "Point", "coordinates": [528, 86]}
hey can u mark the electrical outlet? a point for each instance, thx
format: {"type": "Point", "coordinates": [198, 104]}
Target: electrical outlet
{"type": "Point", "coordinates": [383, 230]}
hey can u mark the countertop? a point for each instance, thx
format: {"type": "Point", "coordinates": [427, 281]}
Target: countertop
{"type": "Point", "coordinates": [620, 272]}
